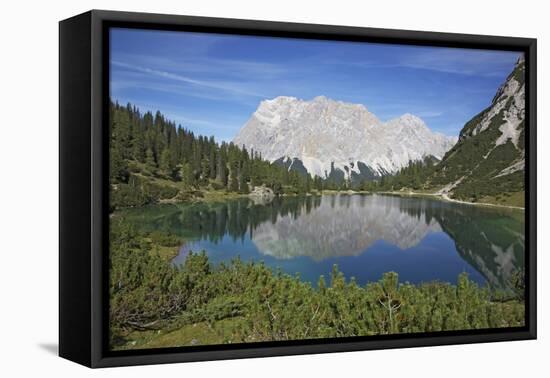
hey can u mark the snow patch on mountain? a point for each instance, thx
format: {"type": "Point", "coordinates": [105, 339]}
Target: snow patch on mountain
{"type": "Point", "coordinates": [517, 166]}
{"type": "Point", "coordinates": [513, 117]}
{"type": "Point", "coordinates": [510, 101]}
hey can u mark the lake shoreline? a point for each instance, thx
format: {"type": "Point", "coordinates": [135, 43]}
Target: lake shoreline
{"type": "Point", "coordinates": [218, 196]}
{"type": "Point", "coordinates": [445, 197]}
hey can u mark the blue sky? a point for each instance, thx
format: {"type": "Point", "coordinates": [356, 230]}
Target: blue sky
{"type": "Point", "coordinates": [212, 83]}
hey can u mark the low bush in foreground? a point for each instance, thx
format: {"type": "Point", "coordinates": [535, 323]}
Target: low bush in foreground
{"type": "Point", "coordinates": [148, 293]}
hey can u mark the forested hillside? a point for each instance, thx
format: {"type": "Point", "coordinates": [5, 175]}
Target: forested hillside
{"type": "Point", "coordinates": [489, 158]}
{"type": "Point", "coordinates": [153, 160]}
{"type": "Point", "coordinates": [487, 163]}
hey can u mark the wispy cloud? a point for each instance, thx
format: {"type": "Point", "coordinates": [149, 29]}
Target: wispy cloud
{"type": "Point", "coordinates": [457, 61]}
{"type": "Point", "coordinates": [205, 65]}
{"type": "Point", "coordinates": [230, 87]}
{"type": "Point", "coordinates": [121, 85]}
{"type": "Point", "coordinates": [460, 61]}
{"type": "Point", "coordinates": [429, 114]}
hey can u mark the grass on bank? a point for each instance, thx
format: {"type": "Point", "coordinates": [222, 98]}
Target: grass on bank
{"type": "Point", "coordinates": [516, 199]}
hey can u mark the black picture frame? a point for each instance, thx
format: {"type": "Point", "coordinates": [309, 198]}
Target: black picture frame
{"type": "Point", "coordinates": [83, 194]}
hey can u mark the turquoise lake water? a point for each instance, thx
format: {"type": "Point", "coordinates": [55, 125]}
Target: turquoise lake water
{"type": "Point", "coordinates": [421, 239]}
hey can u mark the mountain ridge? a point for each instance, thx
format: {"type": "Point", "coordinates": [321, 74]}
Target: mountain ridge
{"type": "Point", "coordinates": [489, 158]}
{"type": "Point", "coordinates": [329, 136]}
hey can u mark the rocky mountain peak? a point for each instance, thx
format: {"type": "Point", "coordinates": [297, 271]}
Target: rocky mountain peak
{"type": "Point", "coordinates": [489, 158]}
{"type": "Point", "coordinates": [325, 134]}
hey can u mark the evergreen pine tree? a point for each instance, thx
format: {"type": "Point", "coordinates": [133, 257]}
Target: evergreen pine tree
{"type": "Point", "coordinates": [187, 175]}
{"type": "Point", "coordinates": [166, 163]}
{"type": "Point", "coordinates": [118, 166]}
{"type": "Point", "coordinates": [150, 162]}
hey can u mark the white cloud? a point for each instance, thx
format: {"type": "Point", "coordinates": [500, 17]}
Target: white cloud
{"type": "Point", "coordinates": [461, 61]}
{"type": "Point", "coordinates": [199, 64]}
{"type": "Point", "coordinates": [458, 61]}
{"type": "Point", "coordinates": [231, 87]}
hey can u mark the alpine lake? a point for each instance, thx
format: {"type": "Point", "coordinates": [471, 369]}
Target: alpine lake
{"type": "Point", "coordinates": [422, 239]}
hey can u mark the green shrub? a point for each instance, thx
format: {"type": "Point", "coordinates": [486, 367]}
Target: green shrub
{"type": "Point", "coordinates": [146, 292]}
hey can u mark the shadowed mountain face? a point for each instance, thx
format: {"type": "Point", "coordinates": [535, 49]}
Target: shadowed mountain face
{"type": "Point", "coordinates": [369, 234]}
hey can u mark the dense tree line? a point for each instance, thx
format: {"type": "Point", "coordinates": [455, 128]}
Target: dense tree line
{"type": "Point", "coordinates": [428, 175]}
{"type": "Point", "coordinates": [414, 176]}
{"type": "Point", "coordinates": [148, 293]}
{"type": "Point", "coordinates": [152, 158]}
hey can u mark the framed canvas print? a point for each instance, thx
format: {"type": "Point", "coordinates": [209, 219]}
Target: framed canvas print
{"type": "Point", "coordinates": [234, 188]}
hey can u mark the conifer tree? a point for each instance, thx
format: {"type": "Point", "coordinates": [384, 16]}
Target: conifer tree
{"type": "Point", "coordinates": [118, 166]}
{"type": "Point", "coordinates": [187, 175]}
{"type": "Point", "coordinates": [150, 160]}
{"type": "Point", "coordinates": [243, 185]}
{"type": "Point", "coordinates": [167, 164]}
